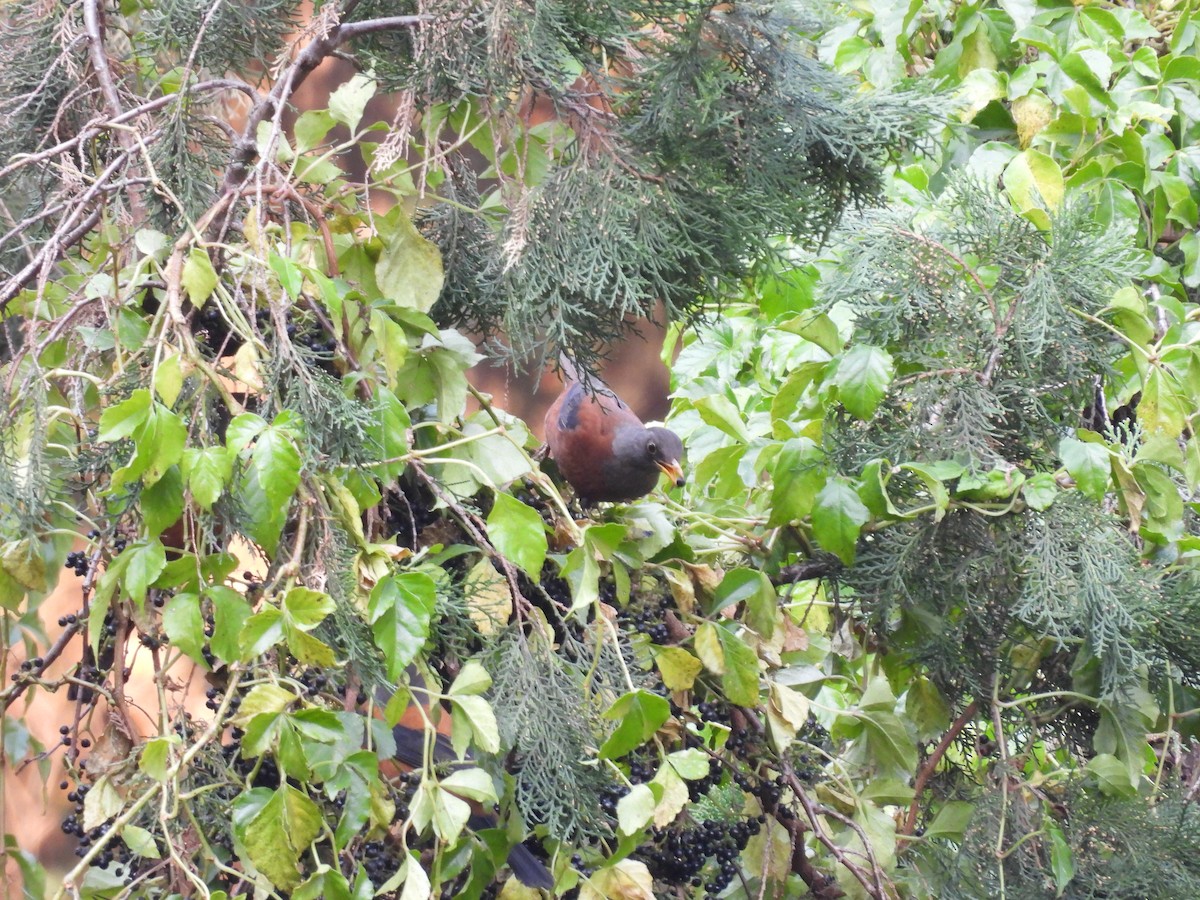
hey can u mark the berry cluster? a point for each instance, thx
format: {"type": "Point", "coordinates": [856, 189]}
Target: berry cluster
{"type": "Point", "coordinates": [126, 863]}
{"type": "Point", "coordinates": [78, 561]}
{"type": "Point", "coordinates": [649, 620]}
{"type": "Point", "coordinates": [681, 857]}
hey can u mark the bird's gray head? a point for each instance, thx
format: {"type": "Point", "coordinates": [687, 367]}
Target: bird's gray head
{"type": "Point", "coordinates": [665, 450]}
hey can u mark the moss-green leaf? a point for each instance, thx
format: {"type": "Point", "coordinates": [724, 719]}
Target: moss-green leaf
{"type": "Point", "coordinates": [641, 714]}
{"type": "Point", "coordinates": [400, 609]}
{"type": "Point", "coordinates": [862, 378]}
{"type": "Point", "coordinates": [518, 532]}
{"type": "Point", "coordinates": [838, 516]}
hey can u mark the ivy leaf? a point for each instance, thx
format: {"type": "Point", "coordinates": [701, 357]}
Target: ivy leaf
{"type": "Point", "coordinates": [951, 820]}
{"type": "Point", "coordinates": [518, 532]}
{"type": "Point", "coordinates": [207, 471]}
{"type": "Point", "coordinates": [1162, 409]}
{"type": "Point", "coordinates": [1040, 491]}
{"type": "Point", "coordinates": [479, 718]}
{"type": "Point", "coordinates": [162, 502]}
{"type": "Point", "coordinates": [261, 631]}
{"type": "Point", "coordinates": [311, 127]}
{"type": "Point", "coordinates": [1111, 775]}
{"type": "Point", "coordinates": [184, 625]}
{"type": "Point", "coordinates": [168, 380]}
{"type": "Point", "coordinates": [641, 714]}
{"type": "Point", "coordinates": [155, 754]}
{"type": "Point", "coordinates": [635, 809]}
{"type": "Point", "coordinates": [752, 587]}
{"type": "Point", "coordinates": [628, 879]}
{"type": "Point", "coordinates": [229, 613]}
{"type": "Point", "coordinates": [862, 377]}
{"type": "Point", "coordinates": [740, 681]}
{"type": "Point", "coordinates": [837, 518]}
{"type": "Point", "coordinates": [124, 418]}
{"type": "Point", "coordinates": [797, 475]}
{"type": "Point", "coordinates": [291, 279]}
{"type": "Point", "coordinates": [677, 667]}
{"type": "Point", "coordinates": [199, 277]}
{"type": "Point", "coordinates": [401, 608]}
{"type": "Point", "coordinates": [275, 828]}
{"type": "Point", "coordinates": [276, 463]}
{"type": "Point", "coordinates": [140, 841]}
{"type": "Point", "coordinates": [146, 561]}
{"type": "Point", "coordinates": [724, 653]}
{"type": "Point", "coordinates": [474, 784]}
{"type": "Point", "coordinates": [305, 608]}
{"type": "Point", "coordinates": [347, 103]}
{"type": "Point", "coordinates": [409, 271]}
{"type": "Point", "coordinates": [1088, 463]}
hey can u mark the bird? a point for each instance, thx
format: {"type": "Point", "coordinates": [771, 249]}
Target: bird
{"type": "Point", "coordinates": [602, 448]}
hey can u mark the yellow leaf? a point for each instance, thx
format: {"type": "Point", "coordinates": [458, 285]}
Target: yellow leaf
{"type": "Point", "coordinates": [627, 880]}
{"type": "Point", "coordinates": [489, 603]}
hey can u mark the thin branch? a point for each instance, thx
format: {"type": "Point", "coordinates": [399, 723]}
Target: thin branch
{"type": "Point", "coordinates": [931, 765]}
{"type": "Point", "coordinates": [246, 148]}
{"type": "Point", "coordinates": [108, 87]}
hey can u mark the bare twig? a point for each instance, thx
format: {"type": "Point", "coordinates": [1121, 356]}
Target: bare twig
{"type": "Point", "coordinates": [94, 27]}
{"type": "Point", "coordinates": [931, 765]}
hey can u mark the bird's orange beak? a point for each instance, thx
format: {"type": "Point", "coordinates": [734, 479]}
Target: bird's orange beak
{"type": "Point", "coordinates": [674, 470]}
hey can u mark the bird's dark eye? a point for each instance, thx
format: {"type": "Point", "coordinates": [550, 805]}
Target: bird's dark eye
{"type": "Point", "coordinates": [652, 448]}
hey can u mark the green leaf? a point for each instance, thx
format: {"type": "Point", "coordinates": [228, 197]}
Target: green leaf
{"type": "Point", "coordinates": [474, 784]}
{"type": "Point", "coordinates": [752, 587]}
{"type": "Point", "coordinates": [155, 755]}
{"type": "Point", "coordinates": [887, 742]}
{"type": "Point", "coordinates": [472, 678]}
{"type": "Point", "coordinates": [1112, 775]}
{"type": "Point", "coordinates": [1034, 184]}
{"type": "Point", "coordinates": [261, 632]}
{"type": "Point", "coordinates": [168, 380]}
{"type": "Point", "coordinates": [305, 608]}
{"type": "Point", "coordinates": [162, 502]}
{"type": "Point", "coordinates": [951, 820]}
{"type": "Point", "coordinates": [401, 608]}
{"type": "Point", "coordinates": [199, 277]}
{"type": "Point", "coordinates": [797, 475]}
{"type": "Point", "coordinates": [230, 612]}
{"type": "Point", "coordinates": [478, 714]}
{"type": "Point", "coordinates": [276, 463]}
{"type": "Point", "coordinates": [311, 127]}
{"type": "Point", "coordinates": [862, 377]}
{"type": "Point", "coordinates": [1062, 860]}
{"type": "Point", "coordinates": [1088, 463]}
{"type": "Point", "coordinates": [641, 714]}
{"type": "Point", "coordinates": [124, 418]}
{"type": "Point", "coordinates": [409, 270]}
{"type": "Point", "coordinates": [724, 653]}
{"type": "Point", "coordinates": [207, 471]}
{"type": "Point", "coordinates": [140, 841]}
{"type": "Point", "coordinates": [275, 828]}
{"type": "Point", "coordinates": [518, 533]}
{"type": "Point", "coordinates": [1163, 408]}
{"type": "Point", "coordinates": [346, 104]}
{"type": "Point", "coordinates": [837, 519]}
{"type": "Point", "coordinates": [291, 279]}
{"type": "Point", "coordinates": [145, 562]}
{"type": "Point", "coordinates": [740, 681]}
{"type": "Point", "coordinates": [718, 410]}
{"type": "Point", "coordinates": [1040, 491]}
{"type": "Point", "coordinates": [184, 624]}
{"type": "Point", "coordinates": [635, 809]}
